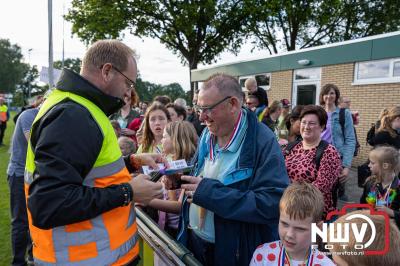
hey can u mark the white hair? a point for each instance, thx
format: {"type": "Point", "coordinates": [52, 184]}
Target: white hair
{"type": "Point", "coordinates": [181, 102]}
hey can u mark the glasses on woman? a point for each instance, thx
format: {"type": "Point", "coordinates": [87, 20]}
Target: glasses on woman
{"type": "Point", "coordinates": [311, 124]}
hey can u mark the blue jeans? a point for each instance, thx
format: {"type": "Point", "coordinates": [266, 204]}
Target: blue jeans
{"type": "Point", "coordinates": [20, 238]}
{"type": "Point", "coordinates": [202, 250]}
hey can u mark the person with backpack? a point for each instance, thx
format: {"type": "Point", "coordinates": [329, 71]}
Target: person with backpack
{"type": "Point", "coordinates": [339, 132]}
{"type": "Point", "coordinates": [312, 159]}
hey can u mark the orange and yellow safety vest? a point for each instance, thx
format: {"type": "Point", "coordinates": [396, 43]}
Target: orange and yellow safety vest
{"type": "Point", "coordinates": [108, 239]}
{"type": "Point", "coordinates": [3, 113]}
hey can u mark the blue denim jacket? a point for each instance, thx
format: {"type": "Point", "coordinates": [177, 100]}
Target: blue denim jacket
{"type": "Point", "coordinates": [245, 206]}
{"type": "Point", "coordinates": [344, 144]}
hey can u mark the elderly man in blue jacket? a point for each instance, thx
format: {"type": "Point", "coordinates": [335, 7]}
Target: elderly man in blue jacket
{"type": "Point", "coordinates": [233, 195]}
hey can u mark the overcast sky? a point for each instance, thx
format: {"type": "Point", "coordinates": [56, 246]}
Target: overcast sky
{"type": "Point", "coordinates": [25, 22]}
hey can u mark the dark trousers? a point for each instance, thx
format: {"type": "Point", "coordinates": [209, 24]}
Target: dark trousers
{"type": "Point", "coordinates": [202, 250]}
{"type": "Point", "coordinates": [341, 189]}
{"type": "Point", "coordinates": [20, 238]}
{"type": "Point", "coordinates": [3, 126]}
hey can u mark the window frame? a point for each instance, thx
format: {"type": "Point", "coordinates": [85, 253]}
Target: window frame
{"type": "Point", "coordinates": [317, 69]}
{"type": "Point", "coordinates": [266, 88]}
{"type": "Point", "coordinates": [368, 81]}
{"type": "Point", "coordinates": [310, 81]}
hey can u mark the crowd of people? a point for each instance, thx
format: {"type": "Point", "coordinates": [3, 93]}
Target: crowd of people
{"type": "Point", "coordinates": [262, 174]}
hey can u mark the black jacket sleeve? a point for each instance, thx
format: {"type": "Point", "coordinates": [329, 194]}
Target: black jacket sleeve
{"type": "Point", "coordinates": [66, 143]}
{"type": "Point", "coordinates": [364, 194]}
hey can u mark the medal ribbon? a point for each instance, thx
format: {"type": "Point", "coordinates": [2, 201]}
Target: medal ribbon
{"type": "Point", "coordinates": [283, 255]}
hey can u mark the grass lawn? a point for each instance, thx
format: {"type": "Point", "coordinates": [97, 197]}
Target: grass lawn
{"type": "Point", "coordinates": [5, 239]}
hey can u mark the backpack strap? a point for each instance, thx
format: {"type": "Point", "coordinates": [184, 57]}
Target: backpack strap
{"type": "Point", "coordinates": [318, 155]}
{"type": "Point", "coordinates": [290, 146]}
{"type": "Point", "coordinates": [342, 119]}
{"type": "Point", "coordinates": [320, 152]}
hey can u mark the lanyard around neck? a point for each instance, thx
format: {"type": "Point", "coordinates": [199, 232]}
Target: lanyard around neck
{"type": "Point", "coordinates": [284, 256]}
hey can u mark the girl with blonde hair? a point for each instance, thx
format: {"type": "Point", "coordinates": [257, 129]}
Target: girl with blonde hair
{"type": "Point", "coordinates": [179, 142]}
{"type": "Point", "coordinates": [382, 188]}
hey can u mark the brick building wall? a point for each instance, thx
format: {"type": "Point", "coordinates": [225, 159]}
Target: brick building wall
{"type": "Point", "coordinates": [281, 85]}
{"type": "Point", "coordinates": [368, 100]}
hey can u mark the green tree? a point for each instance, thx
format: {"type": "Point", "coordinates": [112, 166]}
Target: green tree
{"type": "Point", "coordinates": [143, 89]}
{"type": "Point", "coordinates": [71, 63]}
{"type": "Point", "coordinates": [290, 24]}
{"type": "Point", "coordinates": [173, 90]}
{"type": "Point", "coordinates": [197, 30]}
{"type": "Point", "coordinates": [363, 18]}
{"type": "Point", "coordinates": [12, 69]}
{"type": "Point", "coordinates": [28, 84]}
{"type": "Point", "coordinates": [147, 90]}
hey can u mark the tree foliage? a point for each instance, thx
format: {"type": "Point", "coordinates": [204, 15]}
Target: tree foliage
{"type": "Point", "coordinates": [147, 90]}
{"type": "Point", "coordinates": [12, 69]}
{"type": "Point", "coordinates": [363, 18]}
{"type": "Point", "coordinates": [73, 64]}
{"type": "Point", "coordinates": [290, 24]}
{"type": "Point", "coordinates": [197, 30]}
{"type": "Point", "coordinates": [28, 84]}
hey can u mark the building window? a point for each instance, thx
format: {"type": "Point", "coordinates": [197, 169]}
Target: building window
{"type": "Point", "coordinates": [307, 74]}
{"type": "Point", "coordinates": [263, 80]}
{"type": "Point", "coordinates": [396, 69]}
{"type": "Point", "coordinates": [377, 71]}
{"type": "Point", "coordinates": [306, 86]}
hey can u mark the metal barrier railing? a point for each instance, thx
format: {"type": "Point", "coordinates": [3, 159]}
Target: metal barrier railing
{"type": "Point", "coordinates": [167, 250]}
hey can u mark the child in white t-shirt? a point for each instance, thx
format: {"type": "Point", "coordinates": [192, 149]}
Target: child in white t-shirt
{"type": "Point", "coordinates": [300, 205]}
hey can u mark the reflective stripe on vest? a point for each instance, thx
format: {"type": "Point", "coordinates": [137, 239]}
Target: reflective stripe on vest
{"type": "Point", "coordinates": [3, 113]}
{"type": "Point", "coordinates": [108, 239]}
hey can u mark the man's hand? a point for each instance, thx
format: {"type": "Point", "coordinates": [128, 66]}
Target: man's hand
{"type": "Point", "coordinates": [344, 175]}
{"type": "Point", "coordinates": [144, 190]}
{"type": "Point", "coordinates": [150, 159]}
{"type": "Point", "coordinates": [190, 188]}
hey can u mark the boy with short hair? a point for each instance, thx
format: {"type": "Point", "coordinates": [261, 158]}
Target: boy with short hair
{"type": "Point", "coordinates": [301, 205]}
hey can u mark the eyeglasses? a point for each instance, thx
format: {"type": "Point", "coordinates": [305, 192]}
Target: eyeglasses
{"type": "Point", "coordinates": [208, 109]}
{"type": "Point", "coordinates": [129, 83]}
{"type": "Point", "coordinates": [310, 124]}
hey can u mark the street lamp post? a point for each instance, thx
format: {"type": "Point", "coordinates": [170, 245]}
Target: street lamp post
{"type": "Point", "coordinates": [29, 62]}
{"type": "Point", "coordinates": [50, 18]}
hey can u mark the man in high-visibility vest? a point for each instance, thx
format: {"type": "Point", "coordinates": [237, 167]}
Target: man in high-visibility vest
{"type": "Point", "coordinates": [79, 190]}
{"type": "Point", "coordinates": [4, 116]}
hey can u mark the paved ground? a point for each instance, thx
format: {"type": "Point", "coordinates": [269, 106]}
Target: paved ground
{"type": "Point", "coordinates": [353, 192]}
